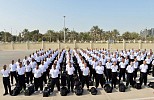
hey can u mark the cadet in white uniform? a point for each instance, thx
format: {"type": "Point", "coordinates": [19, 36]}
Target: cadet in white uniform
{"type": "Point", "coordinates": [43, 67]}
{"type": "Point", "coordinates": [70, 71]}
{"type": "Point", "coordinates": [55, 80]}
{"type": "Point", "coordinates": [6, 81]}
{"type": "Point", "coordinates": [130, 70]}
{"type": "Point", "coordinates": [21, 75]}
{"type": "Point", "coordinates": [99, 75]}
{"type": "Point", "coordinates": [108, 70]}
{"type": "Point", "coordinates": [114, 69]}
{"type": "Point", "coordinates": [143, 74]}
{"type": "Point", "coordinates": [122, 69]}
{"type": "Point", "coordinates": [28, 71]}
{"type": "Point", "coordinates": [13, 73]}
{"type": "Point", "coordinates": [38, 82]}
{"type": "Point", "coordinates": [85, 76]}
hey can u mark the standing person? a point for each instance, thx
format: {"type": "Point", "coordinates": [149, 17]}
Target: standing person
{"type": "Point", "coordinates": [85, 76]}
{"type": "Point", "coordinates": [38, 59]}
{"type": "Point", "coordinates": [130, 70]}
{"type": "Point", "coordinates": [148, 61]}
{"type": "Point", "coordinates": [43, 68]}
{"type": "Point", "coordinates": [114, 69]}
{"type": "Point", "coordinates": [33, 65]}
{"type": "Point", "coordinates": [13, 72]}
{"type": "Point", "coordinates": [136, 65]}
{"type": "Point", "coordinates": [38, 83]}
{"type": "Point", "coordinates": [122, 65]}
{"type": "Point", "coordinates": [143, 73]}
{"type": "Point", "coordinates": [99, 74]}
{"type": "Point", "coordinates": [28, 72]}
{"type": "Point", "coordinates": [6, 81]}
{"type": "Point", "coordinates": [21, 75]}
{"type": "Point", "coordinates": [70, 71]}
{"type": "Point", "coordinates": [108, 70]}
{"type": "Point", "coordinates": [55, 80]}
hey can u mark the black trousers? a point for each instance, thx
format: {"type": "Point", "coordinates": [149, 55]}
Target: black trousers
{"type": "Point", "coordinates": [135, 73]}
{"type": "Point", "coordinates": [140, 62]}
{"type": "Point", "coordinates": [91, 70]}
{"type": "Point", "coordinates": [6, 83]}
{"type": "Point", "coordinates": [44, 77]}
{"type": "Point", "coordinates": [31, 77]}
{"type": "Point", "coordinates": [129, 79]}
{"type": "Point", "coordinates": [13, 74]}
{"type": "Point", "coordinates": [143, 77]}
{"type": "Point", "coordinates": [152, 70]}
{"type": "Point", "coordinates": [122, 73]}
{"type": "Point", "coordinates": [108, 74]}
{"type": "Point", "coordinates": [149, 68]}
{"type": "Point", "coordinates": [99, 79]}
{"type": "Point", "coordinates": [38, 63]}
{"type": "Point", "coordinates": [94, 74]}
{"type": "Point", "coordinates": [28, 77]}
{"type": "Point", "coordinates": [85, 80]}
{"type": "Point", "coordinates": [70, 82]}
{"type": "Point", "coordinates": [22, 81]}
{"type": "Point", "coordinates": [114, 79]}
{"type": "Point", "coordinates": [53, 82]}
{"type": "Point", "coordinates": [38, 83]}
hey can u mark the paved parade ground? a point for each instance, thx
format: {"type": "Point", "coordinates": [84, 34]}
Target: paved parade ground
{"type": "Point", "coordinates": [130, 94]}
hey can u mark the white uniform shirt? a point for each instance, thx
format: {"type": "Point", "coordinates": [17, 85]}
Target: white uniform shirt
{"type": "Point", "coordinates": [153, 62]}
{"type": "Point", "coordinates": [114, 68]}
{"type": "Point", "coordinates": [38, 59]}
{"type": "Point", "coordinates": [28, 68]}
{"type": "Point", "coordinates": [136, 65]}
{"type": "Point", "coordinates": [99, 69]}
{"type": "Point", "coordinates": [54, 73]}
{"type": "Point", "coordinates": [37, 73]}
{"type": "Point", "coordinates": [33, 64]}
{"type": "Point", "coordinates": [24, 62]}
{"type": "Point", "coordinates": [122, 65]}
{"type": "Point", "coordinates": [148, 61]}
{"type": "Point", "coordinates": [5, 73]}
{"type": "Point", "coordinates": [13, 67]}
{"type": "Point", "coordinates": [43, 68]}
{"type": "Point", "coordinates": [85, 71]}
{"type": "Point", "coordinates": [130, 69]}
{"type": "Point", "coordinates": [131, 56]}
{"type": "Point", "coordinates": [21, 71]}
{"type": "Point", "coordinates": [70, 70]}
{"type": "Point", "coordinates": [108, 65]}
{"type": "Point", "coordinates": [143, 68]}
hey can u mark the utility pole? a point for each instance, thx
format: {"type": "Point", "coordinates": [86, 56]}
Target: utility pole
{"type": "Point", "coordinates": [64, 30]}
{"type": "Point", "coordinates": [5, 35]}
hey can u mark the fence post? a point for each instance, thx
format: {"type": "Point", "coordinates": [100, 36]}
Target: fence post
{"type": "Point", "coordinates": [124, 44]}
{"type": "Point", "coordinates": [74, 44]}
{"type": "Point", "coordinates": [107, 45]}
{"type": "Point", "coordinates": [12, 45]}
{"type": "Point", "coordinates": [27, 45]}
{"type": "Point", "coordinates": [58, 44]}
{"type": "Point", "coordinates": [91, 45]}
{"type": "Point", "coordinates": [42, 44]}
{"type": "Point", "coordinates": [140, 44]}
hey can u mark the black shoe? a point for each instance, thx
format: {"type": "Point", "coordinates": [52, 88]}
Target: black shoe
{"type": "Point", "coordinates": [72, 91]}
{"type": "Point", "coordinates": [68, 91]}
{"type": "Point", "coordinates": [88, 90]}
{"type": "Point", "coordinates": [5, 94]}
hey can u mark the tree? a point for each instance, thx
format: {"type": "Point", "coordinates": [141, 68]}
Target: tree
{"type": "Point", "coordinates": [5, 36]}
{"type": "Point", "coordinates": [96, 33]}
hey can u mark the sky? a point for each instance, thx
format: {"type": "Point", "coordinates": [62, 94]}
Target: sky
{"type": "Point", "coordinates": [81, 15]}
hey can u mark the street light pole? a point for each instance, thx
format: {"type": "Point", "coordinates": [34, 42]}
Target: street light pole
{"type": "Point", "coordinates": [64, 29]}
{"type": "Point", "coordinates": [5, 35]}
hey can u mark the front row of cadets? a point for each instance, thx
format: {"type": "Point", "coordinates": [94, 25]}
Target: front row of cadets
{"type": "Point", "coordinates": [40, 75]}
